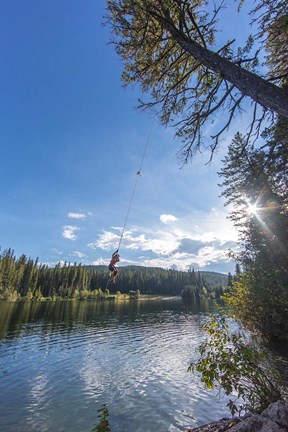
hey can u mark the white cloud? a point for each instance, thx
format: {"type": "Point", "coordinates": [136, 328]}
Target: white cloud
{"type": "Point", "coordinates": [162, 243]}
{"type": "Point", "coordinates": [73, 215]}
{"type": "Point", "coordinates": [106, 241]}
{"type": "Point", "coordinates": [206, 257]}
{"type": "Point", "coordinates": [100, 261]}
{"type": "Point", "coordinates": [56, 251]}
{"type": "Point", "coordinates": [78, 254]}
{"type": "Point", "coordinates": [69, 232]}
{"type": "Point", "coordinates": [166, 218]}
{"type": "Point", "coordinates": [54, 263]}
{"type": "Point", "coordinates": [199, 239]}
{"type": "Point", "coordinates": [207, 226]}
{"type": "Point", "coordinates": [181, 261]}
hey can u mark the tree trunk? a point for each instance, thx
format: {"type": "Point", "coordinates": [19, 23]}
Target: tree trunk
{"type": "Point", "coordinates": [260, 90]}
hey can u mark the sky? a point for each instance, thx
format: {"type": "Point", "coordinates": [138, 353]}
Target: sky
{"type": "Point", "coordinates": [72, 141]}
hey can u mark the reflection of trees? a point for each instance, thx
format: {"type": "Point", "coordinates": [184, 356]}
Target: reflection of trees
{"type": "Point", "coordinates": [103, 425]}
{"type": "Point", "coordinates": [5, 317]}
{"type": "Point", "coordinates": [63, 314]}
{"type": "Point", "coordinates": [199, 305]}
{"type": "Point", "coordinates": [46, 318]}
{"type": "Point", "coordinates": [12, 316]}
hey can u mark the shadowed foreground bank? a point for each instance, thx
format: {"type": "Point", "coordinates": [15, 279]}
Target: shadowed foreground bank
{"type": "Point", "coordinates": [273, 419]}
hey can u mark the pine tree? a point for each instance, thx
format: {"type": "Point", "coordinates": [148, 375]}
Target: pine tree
{"type": "Point", "coordinates": [259, 296]}
{"type": "Point", "coordinates": [170, 49]}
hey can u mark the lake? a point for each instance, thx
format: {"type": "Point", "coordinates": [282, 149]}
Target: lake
{"type": "Point", "coordinates": [61, 362]}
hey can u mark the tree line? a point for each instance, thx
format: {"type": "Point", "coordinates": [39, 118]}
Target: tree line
{"type": "Point", "coordinates": [25, 278]}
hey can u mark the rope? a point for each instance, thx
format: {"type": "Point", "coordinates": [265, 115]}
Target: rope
{"type": "Point", "coordinates": [108, 281]}
{"type": "Point", "coordinates": [138, 174]}
{"type": "Point", "coordinates": [128, 211]}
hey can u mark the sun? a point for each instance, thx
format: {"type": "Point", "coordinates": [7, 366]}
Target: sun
{"type": "Point", "coordinates": [252, 209]}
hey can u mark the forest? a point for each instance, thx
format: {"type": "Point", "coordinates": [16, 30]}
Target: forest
{"type": "Point", "coordinates": [25, 278]}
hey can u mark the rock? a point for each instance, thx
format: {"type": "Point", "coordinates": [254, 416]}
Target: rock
{"type": "Point", "coordinates": [218, 426]}
{"type": "Point", "coordinates": [257, 423]}
{"type": "Point", "coordinates": [279, 412]}
{"type": "Point", "coordinates": [273, 419]}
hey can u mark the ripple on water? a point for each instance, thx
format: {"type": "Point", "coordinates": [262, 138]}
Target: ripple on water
{"type": "Point", "coordinates": [57, 373]}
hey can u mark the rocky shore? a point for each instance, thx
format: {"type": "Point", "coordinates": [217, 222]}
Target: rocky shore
{"type": "Point", "coordinates": [273, 419]}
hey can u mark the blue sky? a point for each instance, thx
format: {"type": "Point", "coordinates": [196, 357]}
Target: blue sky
{"type": "Point", "coordinates": [71, 142]}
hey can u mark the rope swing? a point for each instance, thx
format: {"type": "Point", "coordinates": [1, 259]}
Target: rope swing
{"type": "Point", "coordinates": [115, 257]}
{"type": "Point", "coordinates": [138, 175]}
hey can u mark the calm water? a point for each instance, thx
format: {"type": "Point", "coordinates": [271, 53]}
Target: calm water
{"type": "Point", "coordinates": [60, 362]}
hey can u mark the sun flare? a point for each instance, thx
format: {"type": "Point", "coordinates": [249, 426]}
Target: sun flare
{"type": "Point", "coordinates": [252, 209]}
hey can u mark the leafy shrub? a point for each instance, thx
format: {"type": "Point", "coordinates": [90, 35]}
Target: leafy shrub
{"type": "Point", "coordinates": [228, 361]}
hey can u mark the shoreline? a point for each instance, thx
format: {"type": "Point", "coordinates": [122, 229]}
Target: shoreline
{"type": "Point", "coordinates": [111, 297]}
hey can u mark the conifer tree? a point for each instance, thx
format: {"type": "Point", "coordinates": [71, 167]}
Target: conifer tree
{"type": "Point", "coordinates": [170, 48]}
{"type": "Point", "coordinates": [259, 297]}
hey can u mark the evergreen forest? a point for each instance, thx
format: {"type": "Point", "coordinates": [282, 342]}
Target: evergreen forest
{"type": "Point", "coordinates": [25, 278]}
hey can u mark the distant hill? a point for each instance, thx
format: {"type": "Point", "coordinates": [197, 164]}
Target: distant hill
{"type": "Point", "coordinates": [214, 278]}
{"type": "Point", "coordinates": [156, 280]}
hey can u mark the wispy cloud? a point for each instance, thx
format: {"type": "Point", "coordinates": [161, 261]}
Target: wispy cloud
{"type": "Point", "coordinates": [100, 261]}
{"type": "Point", "coordinates": [208, 258]}
{"type": "Point", "coordinates": [78, 254]}
{"type": "Point", "coordinates": [73, 215]}
{"type": "Point", "coordinates": [107, 240]}
{"type": "Point", "coordinates": [53, 263]}
{"type": "Point", "coordinates": [199, 239]}
{"type": "Point", "coordinates": [69, 232]}
{"type": "Point", "coordinates": [166, 218]}
{"type": "Point", "coordinates": [56, 251]}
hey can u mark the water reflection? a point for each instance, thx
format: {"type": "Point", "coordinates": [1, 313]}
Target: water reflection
{"type": "Point", "coordinates": [61, 360]}
{"type": "Point", "coordinates": [103, 425]}
{"type": "Point", "coordinates": [67, 314]}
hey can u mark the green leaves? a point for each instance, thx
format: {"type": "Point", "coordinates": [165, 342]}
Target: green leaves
{"type": "Point", "coordinates": [170, 49]}
{"type": "Point", "coordinates": [260, 297]}
{"type": "Point", "coordinates": [229, 363]}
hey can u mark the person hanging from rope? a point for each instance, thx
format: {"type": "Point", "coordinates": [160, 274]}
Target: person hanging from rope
{"type": "Point", "coordinates": [112, 266]}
